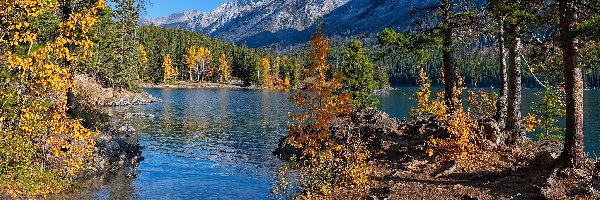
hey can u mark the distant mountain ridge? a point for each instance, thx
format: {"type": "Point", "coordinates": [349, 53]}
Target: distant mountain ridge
{"type": "Point", "coordinates": [286, 22]}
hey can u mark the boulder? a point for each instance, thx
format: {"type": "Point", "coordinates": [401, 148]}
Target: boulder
{"type": "Point", "coordinates": [492, 131]}
{"type": "Point", "coordinates": [114, 150]}
{"type": "Point", "coordinates": [547, 154]}
{"type": "Point", "coordinates": [138, 115]}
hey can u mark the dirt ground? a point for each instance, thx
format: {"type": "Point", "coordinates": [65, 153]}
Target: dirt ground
{"type": "Point", "coordinates": [401, 170]}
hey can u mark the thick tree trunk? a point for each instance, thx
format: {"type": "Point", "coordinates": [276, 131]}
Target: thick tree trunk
{"type": "Point", "coordinates": [502, 99]}
{"type": "Point", "coordinates": [573, 150]}
{"type": "Point", "coordinates": [448, 65]}
{"type": "Point", "coordinates": [513, 120]}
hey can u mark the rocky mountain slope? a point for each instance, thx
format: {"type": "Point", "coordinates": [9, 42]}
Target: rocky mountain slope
{"type": "Point", "coordinates": [265, 22]}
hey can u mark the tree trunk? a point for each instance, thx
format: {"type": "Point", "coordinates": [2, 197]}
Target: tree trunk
{"type": "Point", "coordinates": [198, 73]}
{"type": "Point", "coordinates": [513, 120]}
{"type": "Point", "coordinates": [573, 150]}
{"type": "Point", "coordinates": [448, 67]}
{"type": "Point", "coordinates": [66, 10]}
{"type": "Point", "coordinates": [501, 104]}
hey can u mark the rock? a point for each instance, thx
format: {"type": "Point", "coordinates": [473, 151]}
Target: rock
{"type": "Point", "coordinates": [126, 128]}
{"type": "Point", "coordinates": [115, 150]}
{"type": "Point", "coordinates": [286, 151]}
{"type": "Point", "coordinates": [492, 132]}
{"type": "Point", "coordinates": [138, 115]}
{"type": "Point", "coordinates": [134, 99]}
{"type": "Point", "coordinates": [448, 171]}
{"type": "Point", "coordinates": [548, 153]}
{"type": "Point", "coordinates": [370, 126]}
{"type": "Point", "coordinates": [94, 89]}
{"type": "Point", "coordinates": [380, 92]}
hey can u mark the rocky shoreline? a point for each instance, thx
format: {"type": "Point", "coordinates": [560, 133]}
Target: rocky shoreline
{"type": "Point", "coordinates": [116, 151]}
{"type": "Point", "coordinates": [96, 92]}
{"type": "Point", "coordinates": [193, 85]}
{"type": "Point", "coordinates": [400, 169]}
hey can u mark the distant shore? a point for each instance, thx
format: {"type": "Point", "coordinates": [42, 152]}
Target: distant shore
{"type": "Point", "coordinates": [191, 85]}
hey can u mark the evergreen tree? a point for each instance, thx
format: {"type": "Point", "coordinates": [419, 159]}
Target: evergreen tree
{"type": "Point", "coordinates": [357, 77]}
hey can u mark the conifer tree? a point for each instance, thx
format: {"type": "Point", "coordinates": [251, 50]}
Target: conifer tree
{"type": "Point", "coordinates": [357, 72]}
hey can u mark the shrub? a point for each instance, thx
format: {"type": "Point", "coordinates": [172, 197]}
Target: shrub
{"type": "Point", "coordinates": [328, 160]}
{"type": "Point", "coordinates": [460, 141]}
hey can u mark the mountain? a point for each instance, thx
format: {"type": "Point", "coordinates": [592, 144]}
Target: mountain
{"type": "Point", "coordinates": [286, 22]}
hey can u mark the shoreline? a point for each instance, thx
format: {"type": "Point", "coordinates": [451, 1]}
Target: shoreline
{"type": "Point", "coordinates": [189, 85]}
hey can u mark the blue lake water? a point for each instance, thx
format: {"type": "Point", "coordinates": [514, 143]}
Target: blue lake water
{"type": "Point", "coordinates": [218, 143]}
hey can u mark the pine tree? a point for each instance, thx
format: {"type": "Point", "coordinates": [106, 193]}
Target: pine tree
{"type": "Point", "coordinates": [358, 79]}
{"type": "Point", "coordinates": [572, 154]}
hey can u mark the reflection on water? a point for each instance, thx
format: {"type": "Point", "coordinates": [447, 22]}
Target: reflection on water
{"type": "Point", "coordinates": [208, 144]}
{"type": "Point", "coordinates": [217, 144]}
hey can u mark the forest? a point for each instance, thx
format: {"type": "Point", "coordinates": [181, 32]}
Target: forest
{"type": "Point", "coordinates": [338, 139]}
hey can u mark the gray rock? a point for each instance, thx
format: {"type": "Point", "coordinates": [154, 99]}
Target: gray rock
{"type": "Point", "coordinates": [549, 152]}
{"type": "Point", "coordinates": [126, 129]}
{"type": "Point", "coordinates": [138, 115]}
{"type": "Point", "coordinates": [135, 99]}
{"type": "Point", "coordinates": [115, 150]}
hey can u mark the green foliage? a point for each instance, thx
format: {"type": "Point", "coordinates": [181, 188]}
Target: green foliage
{"type": "Point", "coordinates": [357, 72]}
{"type": "Point", "coordinates": [328, 160]}
{"type": "Point", "coordinates": [549, 112]}
{"type": "Point", "coordinates": [116, 54]}
{"type": "Point", "coordinates": [283, 189]}
{"type": "Point", "coordinates": [391, 37]}
{"type": "Point", "coordinates": [41, 147]}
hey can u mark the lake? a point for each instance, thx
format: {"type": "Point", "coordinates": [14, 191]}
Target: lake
{"type": "Point", "coordinates": [218, 143]}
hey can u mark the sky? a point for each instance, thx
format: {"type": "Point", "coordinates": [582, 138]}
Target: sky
{"type": "Point", "coordinates": [161, 8]}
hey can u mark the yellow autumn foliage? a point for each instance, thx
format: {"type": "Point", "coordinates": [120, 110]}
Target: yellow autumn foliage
{"type": "Point", "coordinates": [266, 71]}
{"type": "Point", "coordinates": [169, 73]}
{"type": "Point", "coordinates": [328, 160]}
{"type": "Point", "coordinates": [225, 69]}
{"type": "Point", "coordinates": [41, 147]}
{"type": "Point", "coordinates": [143, 60]}
{"type": "Point", "coordinates": [461, 141]}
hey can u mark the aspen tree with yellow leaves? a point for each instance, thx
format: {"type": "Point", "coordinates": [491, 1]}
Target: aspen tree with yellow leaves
{"type": "Point", "coordinates": [266, 71]}
{"type": "Point", "coordinates": [169, 72]}
{"type": "Point", "coordinates": [41, 147]}
{"type": "Point", "coordinates": [191, 61]}
{"type": "Point", "coordinates": [225, 69]}
{"type": "Point", "coordinates": [204, 58]}
{"type": "Point", "coordinates": [143, 62]}
{"type": "Point", "coordinates": [329, 161]}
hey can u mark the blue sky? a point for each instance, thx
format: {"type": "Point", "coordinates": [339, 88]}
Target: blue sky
{"type": "Point", "coordinates": [161, 8]}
